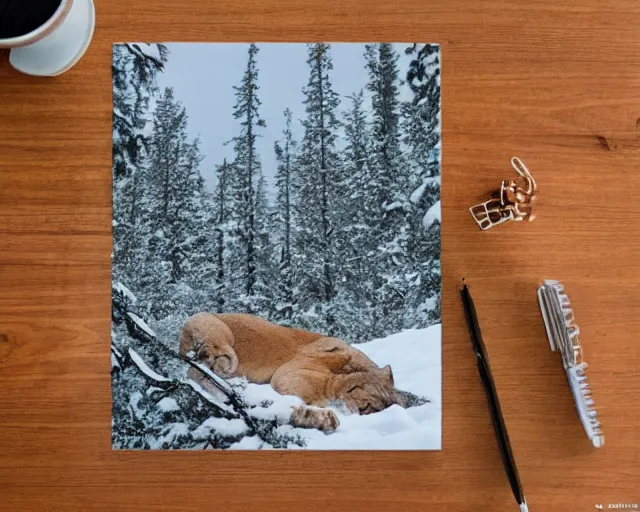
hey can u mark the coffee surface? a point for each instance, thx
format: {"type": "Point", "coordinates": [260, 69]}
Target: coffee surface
{"type": "Point", "coordinates": [19, 17]}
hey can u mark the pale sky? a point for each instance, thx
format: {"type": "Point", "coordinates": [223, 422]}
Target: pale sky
{"type": "Point", "coordinates": [203, 76]}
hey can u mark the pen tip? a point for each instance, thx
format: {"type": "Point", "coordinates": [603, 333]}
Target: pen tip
{"type": "Point", "coordinates": [523, 506]}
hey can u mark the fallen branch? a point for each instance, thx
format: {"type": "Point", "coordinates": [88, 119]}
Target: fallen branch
{"type": "Point", "coordinates": [235, 400]}
{"type": "Point", "coordinates": [168, 384]}
{"type": "Point", "coordinates": [120, 313]}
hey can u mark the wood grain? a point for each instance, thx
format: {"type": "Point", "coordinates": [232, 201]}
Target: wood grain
{"type": "Point", "coordinates": [555, 83]}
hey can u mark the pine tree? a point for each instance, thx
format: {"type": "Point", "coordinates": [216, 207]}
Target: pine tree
{"type": "Point", "coordinates": [421, 126]}
{"type": "Point", "coordinates": [134, 74]}
{"type": "Point", "coordinates": [134, 83]}
{"type": "Point", "coordinates": [359, 162]}
{"type": "Point", "coordinates": [421, 136]}
{"type": "Point", "coordinates": [319, 187]}
{"type": "Point", "coordinates": [382, 65]}
{"type": "Point", "coordinates": [177, 213]}
{"type": "Point", "coordinates": [285, 151]}
{"type": "Point", "coordinates": [263, 303]}
{"type": "Point", "coordinates": [389, 227]}
{"type": "Point", "coordinates": [245, 183]}
{"type": "Point", "coordinates": [221, 228]}
{"type": "Point", "coordinates": [357, 289]}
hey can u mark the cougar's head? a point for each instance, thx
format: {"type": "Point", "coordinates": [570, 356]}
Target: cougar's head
{"type": "Point", "coordinates": [369, 391]}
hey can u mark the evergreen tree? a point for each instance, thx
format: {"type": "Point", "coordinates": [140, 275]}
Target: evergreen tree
{"type": "Point", "coordinates": [285, 151]}
{"type": "Point", "coordinates": [220, 223]}
{"type": "Point", "coordinates": [421, 136]}
{"type": "Point", "coordinates": [134, 74]}
{"type": "Point", "coordinates": [389, 227]}
{"type": "Point", "coordinates": [246, 185]}
{"type": "Point", "coordinates": [421, 123]}
{"type": "Point", "coordinates": [264, 292]}
{"type": "Point", "coordinates": [359, 163]}
{"type": "Point", "coordinates": [357, 292]}
{"type": "Point", "coordinates": [177, 214]}
{"type": "Point", "coordinates": [320, 184]}
{"type": "Point", "coordinates": [382, 65]}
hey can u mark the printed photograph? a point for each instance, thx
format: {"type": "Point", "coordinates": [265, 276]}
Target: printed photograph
{"type": "Point", "coordinates": [276, 276]}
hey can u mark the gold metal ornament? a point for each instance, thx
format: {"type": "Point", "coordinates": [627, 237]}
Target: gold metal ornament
{"type": "Point", "coordinates": [512, 201]}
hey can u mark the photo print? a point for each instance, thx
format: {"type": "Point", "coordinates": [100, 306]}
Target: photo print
{"type": "Point", "coordinates": [276, 246]}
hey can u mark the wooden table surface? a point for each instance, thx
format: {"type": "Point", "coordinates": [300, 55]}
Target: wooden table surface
{"type": "Point", "coordinates": [556, 83]}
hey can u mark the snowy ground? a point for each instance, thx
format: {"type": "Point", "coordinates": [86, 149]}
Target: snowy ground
{"type": "Point", "coordinates": [415, 357]}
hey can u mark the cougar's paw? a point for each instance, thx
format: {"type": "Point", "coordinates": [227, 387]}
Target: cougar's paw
{"type": "Point", "coordinates": [322, 419]}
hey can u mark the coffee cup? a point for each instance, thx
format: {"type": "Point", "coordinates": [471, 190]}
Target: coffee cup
{"type": "Point", "coordinates": [46, 38]}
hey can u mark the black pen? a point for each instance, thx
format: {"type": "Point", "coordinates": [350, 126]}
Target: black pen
{"type": "Point", "coordinates": [492, 396]}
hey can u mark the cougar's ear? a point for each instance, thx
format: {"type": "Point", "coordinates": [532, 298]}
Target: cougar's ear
{"type": "Point", "coordinates": [386, 371]}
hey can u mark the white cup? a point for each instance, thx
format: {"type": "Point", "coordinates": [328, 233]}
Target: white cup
{"type": "Point", "coordinates": [58, 44]}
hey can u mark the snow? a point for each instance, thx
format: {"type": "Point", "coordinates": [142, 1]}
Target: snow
{"type": "Point", "coordinates": [142, 325]}
{"type": "Point", "coordinates": [114, 361]}
{"type": "Point", "coordinates": [218, 380]}
{"type": "Point", "coordinates": [415, 358]}
{"type": "Point", "coordinates": [433, 214]}
{"type": "Point", "coordinates": [222, 426]}
{"type": "Point", "coordinates": [126, 292]}
{"type": "Point", "coordinates": [114, 349]}
{"type": "Point", "coordinates": [168, 404]}
{"type": "Point", "coordinates": [412, 353]}
{"type": "Point", "coordinates": [150, 50]}
{"type": "Point", "coordinates": [145, 369]}
{"type": "Point", "coordinates": [247, 443]}
{"type": "Point", "coordinates": [118, 113]}
{"type": "Point", "coordinates": [429, 304]}
{"type": "Point", "coordinates": [255, 394]}
{"type": "Point", "coordinates": [393, 206]}
{"type": "Point", "coordinates": [217, 399]}
{"type": "Point", "coordinates": [417, 194]}
{"type": "Point", "coordinates": [133, 404]}
{"type": "Point", "coordinates": [171, 433]}
{"type": "Point", "coordinates": [280, 407]}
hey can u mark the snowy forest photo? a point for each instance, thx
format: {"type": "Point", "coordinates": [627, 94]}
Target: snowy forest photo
{"type": "Point", "coordinates": [297, 184]}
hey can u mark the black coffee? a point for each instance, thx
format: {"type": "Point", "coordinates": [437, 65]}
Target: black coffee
{"type": "Point", "coordinates": [19, 17]}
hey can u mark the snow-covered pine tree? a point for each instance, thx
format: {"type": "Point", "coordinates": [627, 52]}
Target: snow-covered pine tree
{"type": "Point", "coordinates": [245, 187]}
{"type": "Point", "coordinates": [389, 225]}
{"type": "Point", "coordinates": [320, 190]}
{"type": "Point", "coordinates": [421, 136]}
{"type": "Point", "coordinates": [357, 290]}
{"type": "Point", "coordinates": [221, 228]}
{"type": "Point", "coordinates": [285, 181]}
{"type": "Point", "coordinates": [177, 215]}
{"type": "Point", "coordinates": [263, 301]}
{"type": "Point", "coordinates": [134, 73]}
{"type": "Point", "coordinates": [134, 70]}
{"type": "Point", "coordinates": [193, 214]}
{"type": "Point", "coordinates": [421, 115]}
{"type": "Point", "coordinates": [382, 66]}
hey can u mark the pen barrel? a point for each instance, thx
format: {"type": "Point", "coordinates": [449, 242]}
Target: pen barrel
{"type": "Point", "coordinates": [484, 369]}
